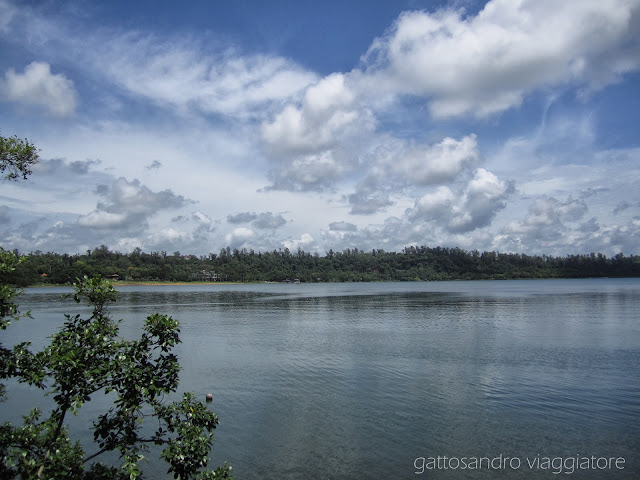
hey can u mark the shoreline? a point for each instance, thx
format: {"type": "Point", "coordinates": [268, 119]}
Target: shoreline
{"type": "Point", "coordinates": [143, 283]}
{"type": "Point", "coordinates": [164, 283]}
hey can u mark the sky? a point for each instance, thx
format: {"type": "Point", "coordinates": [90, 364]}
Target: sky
{"type": "Point", "coordinates": [508, 125]}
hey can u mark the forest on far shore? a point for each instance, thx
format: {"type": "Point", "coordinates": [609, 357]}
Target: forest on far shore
{"type": "Point", "coordinates": [350, 265]}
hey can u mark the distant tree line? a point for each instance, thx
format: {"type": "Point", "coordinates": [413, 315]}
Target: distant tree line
{"type": "Point", "coordinates": [350, 265]}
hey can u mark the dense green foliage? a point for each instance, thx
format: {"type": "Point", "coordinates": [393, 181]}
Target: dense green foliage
{"type": "Point", "coordinates": [17, 156]}
{"type": "Point", "coordinates": [88, 357]}
{"type": "Point", "coordinates": [413, 263]}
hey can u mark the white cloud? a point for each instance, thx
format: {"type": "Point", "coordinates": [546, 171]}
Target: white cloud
{"type": "Point", "coordinates": [232, 122]}
{"type": "Point", "coordinates": [129, 205]}
{"type": "Point", "coordinates": [400, 164]}
{"type": "Point", "coordinates": [187, 233]}
{"type": "Point", "coordinates": [555, 226]}
{"type": "Point", "coordinates": [325, 116]}
{"type": "Point", "coordinates": [134, 197]}
{"type": "Point", "coordinates": [313, 143]}
{"type": "Point", "coordinates": [487, 63]}
{"type": "Point", "coordinates": [391, 235]}
{"type": "Point", "coordinates": [168, 236]}
{"type": "Point", "coordinates": [547, 218]}
{"type": "Point", "coordinates": [305, 240]}
{"type": "Point", "coordinates": [474, 208]}
{"type": "Point", "coordinates": [127, 244]}
{"type": "Point", "coordinates": [313, 172]}
{"type": "Point", "coordinates": [239, 237]}
{"type": "Point", "coordinates": [616, 239]}
{"type": "Point", "coordinates": [484, 196]}
{"type": "Point", "coordinates": [201, 218]}
{"type": "Point", "coordinates": [188, 75]}
{"type": "Point", "coordinates": [435, 205]}
{"type": "Point", "coordinates": [102, 219]}
{"type": "Point", "coordinates": [329, 93]}
{"type": "Point", "coordinates": [38, 87]}
{"type": "Point", "coordinates": [436, 164]}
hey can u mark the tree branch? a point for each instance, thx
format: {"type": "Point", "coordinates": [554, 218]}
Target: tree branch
{"type": "Point", "coordinates": [158, 441]}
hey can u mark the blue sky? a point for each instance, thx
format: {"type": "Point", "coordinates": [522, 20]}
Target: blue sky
{"type": "Point", "coordinates": [503, 125]}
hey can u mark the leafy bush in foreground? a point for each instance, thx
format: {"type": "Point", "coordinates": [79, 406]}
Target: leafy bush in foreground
{"type": "Point", "coordinates": [87, 357]}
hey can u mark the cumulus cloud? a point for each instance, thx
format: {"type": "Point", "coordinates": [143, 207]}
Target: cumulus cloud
{"type": "Point", "coordinates": [202, 218]}
{"type": "Point", "coordinates": [439, 163]}
{"type": "Point", "coordinates": [475, 208]}
{"type": "Point", "coordinates": [326, 114]}
{"type": "Point", "coordinates": [189, 233]}
{"type": "Point", "coordinates": [342, 235]}
{"type": "Point", "coordinates": [339, 133]}
{"type": "Point", "coordinates": [311, 142]}
{"type": "Point", "coordinates": [484, 196]}
{"type": "Point", "coordinates": [401, 164]}
{"type": "Point", "coordinates": [38, 87]}
{"type": "Point", "coordinates": [128, 205]}
{"type": "Point", "coordinates": [487, 63]}
{"type": "Point", "coordinates": [435, 205]}
{"type": "Point", "coordinates": [238, 237]}
{"type": "Point", "coordinates": [482, 65]}
{"type": "Point", "coordinates": [313, 172]}
{"type": "Point", "coordinates": [57, 232]}
{"type": "Point", "coordinates": [391, 235]}
{"type": "Point", "coordinates": [546, 219]}
{"type": "Point", "coordinates": [554, 226]}
{"type": "Point", "coordinates": [172, 239]}
{"type": "Point", "coordinates": [616, 238]}
{"type": "Point", "coordinates": [478, 64]}
{"type": "Point", "coordinates": [305, 240]}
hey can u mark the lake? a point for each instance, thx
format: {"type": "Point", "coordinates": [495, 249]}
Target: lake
{"type": "Point", "coordinates": [448, 380]}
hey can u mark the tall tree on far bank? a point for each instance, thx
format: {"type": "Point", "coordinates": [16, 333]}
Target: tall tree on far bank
{"type": "Point", "coordinates": [17, 156]}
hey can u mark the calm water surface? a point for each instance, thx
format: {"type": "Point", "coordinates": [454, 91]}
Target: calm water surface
{"type": "Point", "coordinates": [361, 381]}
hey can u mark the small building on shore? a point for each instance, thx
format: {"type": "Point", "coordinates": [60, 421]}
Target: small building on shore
{"type": "Point", "coordinates": [206, 276]}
